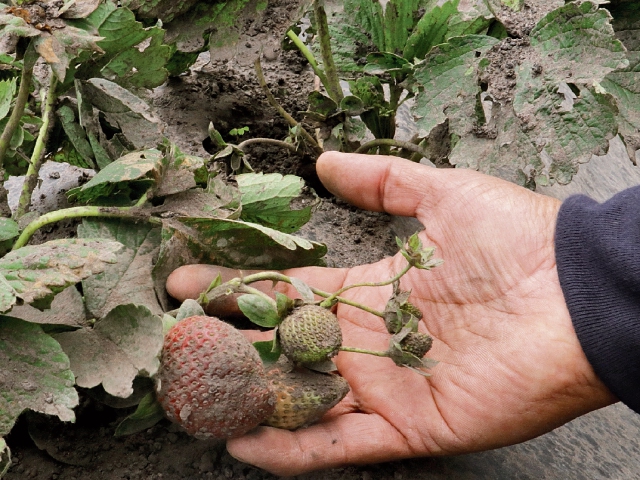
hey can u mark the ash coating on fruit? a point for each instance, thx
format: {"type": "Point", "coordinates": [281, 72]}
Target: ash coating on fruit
{"type": "Point", "coordinates": [211, 380]}
{"type": "Point", "coordinates": [310, 334]}
{"type": "Point", "coordinates": [303, 396]}
{"type": "Point", "coordinates": [417, 343]}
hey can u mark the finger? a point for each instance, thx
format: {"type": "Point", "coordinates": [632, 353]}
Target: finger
{"type": "Point", "coordinates": [190, 281]}
{"type": "Point", "coordinates": [355, 438]}
{"type": "Point", "coordinates": [391, 184]}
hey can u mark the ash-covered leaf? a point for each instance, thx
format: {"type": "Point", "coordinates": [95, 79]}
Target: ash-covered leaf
{"type": "Point", "coordinates": [189, 308]}
{"type": "Point", "coordinates": [624, 83]}
{"type": "Point", "coordinates": [126, 114]}
{"type": "Point", "coordinates": [61, 46]}
{"type": "Point", "coordinates": [35, 374]}
{"type": "Point", "coordinates": [447, 81]}
{"type": "Point", "coordinates": [275, 201]}
{"type": "Point", "coordinates": [182, 172]}
{"type": "Point", "coordinates": [66, 312]}
{"type": "Point", "coordinates": [128, 280]}
{"type": "Point", "coordinates": [229, 243]}
{"type": "Point", "coordinates": [130, 175]}
{"type": "Point", "coordinates": [38, 272]}
{"type": "Point", "coordinates": [148, 413]}
{"type": "Point", "coordinates": [125, 343]}
{"type": "Point", "coordinates": [577, 42]}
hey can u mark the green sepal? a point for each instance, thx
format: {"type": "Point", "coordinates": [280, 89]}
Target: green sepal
{"type": "Point", "coordinates": [148, 413]}
{"type": "Point", "coordinates": [269, 350]}
{"type": "Point", "coordinates": [259, 310]}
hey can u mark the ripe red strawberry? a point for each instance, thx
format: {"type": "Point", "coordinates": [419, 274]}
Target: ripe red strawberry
{"type": "Point", "coordinates": [310, 334]}
{"type": "Point", "coordinates": [211, 379]}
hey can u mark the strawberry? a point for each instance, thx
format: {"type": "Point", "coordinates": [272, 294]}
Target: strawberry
{"type": "Point", "coordinates": [310, 334]}
{"type": "Point", "coordinates": [416, 343]}
{"type": "Point", "coordinates": [303, 396]}
{"type": "Point", "coordinates": [211, 379]}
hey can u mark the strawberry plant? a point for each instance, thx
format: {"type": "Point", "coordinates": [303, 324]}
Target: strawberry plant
{"type": "Point", "coordinates": [522, 90]}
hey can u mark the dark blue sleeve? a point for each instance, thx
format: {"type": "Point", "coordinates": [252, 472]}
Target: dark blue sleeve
{"type": "Point", "coordinates": [598, 259]}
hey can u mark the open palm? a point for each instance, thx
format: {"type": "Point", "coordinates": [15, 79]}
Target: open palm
{"type": "Point", "coordinates": [511, 367]}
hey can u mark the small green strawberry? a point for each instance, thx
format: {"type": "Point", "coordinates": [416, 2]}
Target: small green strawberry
{"type": "Point", "coordinates": [303, 396]}
{"type": "Point", "coordinates": [211, 379]}
{"type": "Point", "coordinates": [416, 343]}
{"type": "Point", "coordinates": [310, 334]}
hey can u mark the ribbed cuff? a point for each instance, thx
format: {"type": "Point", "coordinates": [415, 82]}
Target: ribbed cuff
{"type": "Point", "coordinates": [598, 259]}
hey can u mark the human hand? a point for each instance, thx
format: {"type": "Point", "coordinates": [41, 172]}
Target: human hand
{"type": "Point", "coordinates": [511, 367]}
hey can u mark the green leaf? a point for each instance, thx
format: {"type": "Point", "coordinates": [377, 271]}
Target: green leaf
{"type": "Point", "coordinates": [133, 56]}
{"type": "Point", "coordinates": [131, 174]}
{"type": "Point", "coordinates": [148, 413]}
{"type": "Point", "coordinates": [447, 80]}
{"type": "Point", "coordinates": [430, 31]}
{"type": "Point", "coordinates": [259, 310]}
{"type": "Point", "coordinates": [276, 201]}
{"type": "Point", "coordinates": [7, 92]}
{"type": "Point", "coordinates": [35, 374]}
{"type": "Point", "coordinates": [321, 104]}
{"type": "Point", "coordinates": [38, 272]}
{"type": "Point", "coordinates": [128, 280]}
{"type": "Point", "coordinates": [127, 342]}
{"type": "Point", "coordinates": [8, 232]}
{"type": "Point", "coordinates": [268, 350]}
{"type": "Point", "coordinates": [76, 135]}
{"type": "Point", "coordinates": [624, 83]}
{"type": "Point", "coordinates": [189, 308]}
{"type": "Point", "coordinates": [352, 105]}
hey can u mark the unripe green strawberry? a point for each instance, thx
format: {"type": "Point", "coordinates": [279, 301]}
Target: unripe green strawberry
{"type": "Point", "coordinates": [410, 308]}
{"type": "Point", "coordinates": [303, 396]}
{"type": "Point", "coordinates": [211, 379]}
{"type": "Point", "coordinates": [416, 343]}
{"type": "Point", "coordinates": [310, 334]}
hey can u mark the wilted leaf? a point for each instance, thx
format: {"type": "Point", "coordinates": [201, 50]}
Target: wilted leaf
{"type": "Point", "coordinates": [76, 135]}
{"type": "Point", "coordinates": [131, 175]}
{"type": "Point", "coordinates": [35, 374]}
{"type": "Point", "coordinates": [128, 280]}
{"type": "Point", "coordinates": [38, 272]}
{"type": "Point", "coordinates": [181, 171]}
{"type": "Point", "coordinates": [275, 201]}
{"type": "Point", "coordinates": [259, 310]}
{"type": "Point", "coordinates": [125, 343]}
{"type": "Point", "coordinates": [148, 413]}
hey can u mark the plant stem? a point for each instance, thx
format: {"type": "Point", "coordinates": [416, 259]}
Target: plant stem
{"type": "Point", "coordinates": [270, 141]}
{"type": "Point", "coordinates": [18, 109]}
{"type": "Point", "coordinates": [279, 277]}
{"type": "Point", "coordinates": [392, 143]}
{"type": "Point", "coordinates": [333, 82]}
{"type": "Point", "coordinates": [274, 103]}
{"type": "Point", "coordinates": [37, 157]}
{"type": "Point", "coordinates": [77, 212]}
{"type": "Point", "coordinates": [377, 353]}
{"type": "Point", "coordinates": [309, 56]}
{"type": "Point", "coordinates": [395, 278]}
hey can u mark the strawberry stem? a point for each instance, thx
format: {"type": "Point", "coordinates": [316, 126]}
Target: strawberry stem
{"type": "Point", "coordinates": [376, 353]}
